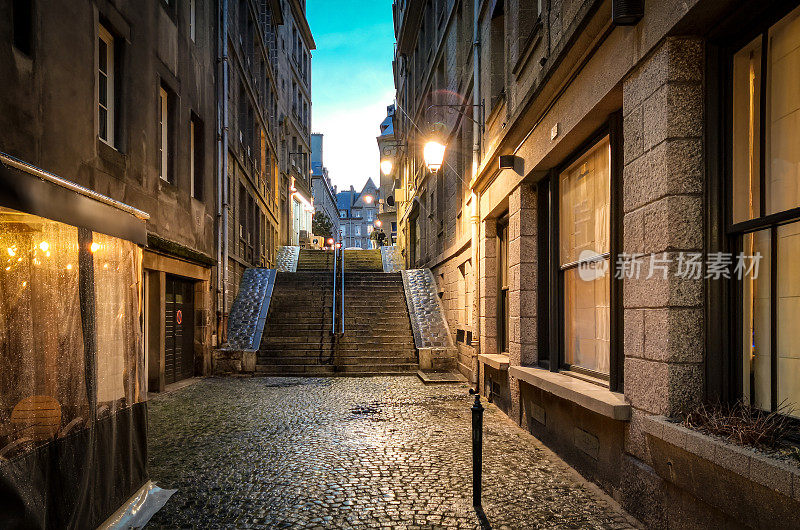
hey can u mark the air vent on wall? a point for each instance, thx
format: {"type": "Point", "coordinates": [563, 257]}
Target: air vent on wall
{"type": "Point", "coordinates": [626, 12]}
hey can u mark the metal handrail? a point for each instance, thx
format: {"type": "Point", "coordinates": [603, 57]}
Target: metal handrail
{"type": "Point", "coordinates": [341, 317]}
{"type": "Point", "coordinates": [333, 307]}
{"type": "Point", "coordinates": [58, 181]}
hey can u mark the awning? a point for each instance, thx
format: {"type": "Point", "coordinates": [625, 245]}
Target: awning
{"type": "Point", "coordinates": [27, 188]}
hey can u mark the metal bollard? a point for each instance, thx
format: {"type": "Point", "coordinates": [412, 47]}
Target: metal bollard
{"type": "Point", "coordinates": [477, 448]}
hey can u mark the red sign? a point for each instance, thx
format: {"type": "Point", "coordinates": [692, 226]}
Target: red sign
{"type": "Point", "coordinates": [179, 316]}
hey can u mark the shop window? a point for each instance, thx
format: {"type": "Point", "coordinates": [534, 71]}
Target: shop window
{"type": "Point", "coordinates": [584, 257]}
{"type": "Point", "coordinates": [57, 284]}
{"type": "Point", "coordinates": [766, 213]}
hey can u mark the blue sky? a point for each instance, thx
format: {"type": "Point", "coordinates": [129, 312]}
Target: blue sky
{"type": "Point", "coordinates": [351, 83]}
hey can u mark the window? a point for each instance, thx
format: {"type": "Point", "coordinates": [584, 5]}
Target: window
{"type": "Point", "coordinates": [163, 135]}
{"type": "Point", "coordinates": [193, 19]}
{"type": "Point", "coordinates": [497, 46]}
{"type": "Point", "coordinates": [584, 255]}
{"type": "Point", "coordinates": [196, 157]}
{"type": "Point", "coordinates": [105, 85]}
{"type": "Point", "coordinates": [503, 312]}
{"type": "Point", "coordinates": [22, 30]}
{"type": "Point", "coordinates": [766, 213]}
{"type": "Point", "coordinates": [342, 213]}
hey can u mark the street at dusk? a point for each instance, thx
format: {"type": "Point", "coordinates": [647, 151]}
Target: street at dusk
{"type": "Point", "coordinates": [399, 264]}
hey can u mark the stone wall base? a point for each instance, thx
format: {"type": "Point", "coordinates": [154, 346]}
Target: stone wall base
{"type": "Point", "coordinates": [226, 362]}
{"type": "Point", "coordinates": [437, 359]}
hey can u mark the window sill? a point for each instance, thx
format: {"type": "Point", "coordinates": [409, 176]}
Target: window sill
{"type": "Point", "coordinates": [498, 361]}
{"type": "Point", "coordinates": [583, 393]}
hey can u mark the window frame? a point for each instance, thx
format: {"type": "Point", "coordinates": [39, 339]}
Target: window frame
{"type": "Point", "coordinates": [108, 38]}
{"type": "Point", "coordinates": [551, 275]}
{"type": "Point", "coordinates": [164, 170]}
{"type": "Point", "coordinates": [503, 290]}
{"type": "Point", "coordinates": [724, 343]}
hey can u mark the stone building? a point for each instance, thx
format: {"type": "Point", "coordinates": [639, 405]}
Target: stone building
{"type": "Point", "coordinates": [387, 147]}
{"type": "Point", "coordinates": [253, 186]}
{"type": "Point", "coordinates": [294, 74]}
{"type": "Point", "coordinates": [594, 152]}
{"type": "Point", "coordinates": [324, 193]}
{"type": "Point", "coordinates": [119, 98]}
{"type": "Point", "coordinates": [358, 212]}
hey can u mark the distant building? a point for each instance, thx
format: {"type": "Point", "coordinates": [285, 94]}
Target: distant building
{"type": "Point", "coordinates": [387, 145]}
{"type": "Point", "coordinates": [357, 214]}
{"type": "Point", "coordinates": [323, 192]}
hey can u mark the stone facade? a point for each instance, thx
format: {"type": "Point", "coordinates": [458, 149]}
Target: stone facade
{"type": "Point", "coordinates": [50, 116]}
{"type": "Point", "coordinates": [554, 80]}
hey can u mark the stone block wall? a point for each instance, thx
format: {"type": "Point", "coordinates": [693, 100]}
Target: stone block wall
{"type": "Point", "coordinates": [522, 285]}
{"type": "Point", "coordinates": [487, 250]}
{"type": "Point", "coordinates": [662, 190]}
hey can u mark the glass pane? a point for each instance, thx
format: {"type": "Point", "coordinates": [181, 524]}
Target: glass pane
{"type": "Point", "coordinates": [756, 322]}
{"type": "Point", "coordinates": [587, 315]}
{"type": "Point", "coordinates": [783, 115]}
{"type": "Point", "coordinates": [103, 119]}
{"type": "Point", "coordinates": [117, 276]}
{"type": "Point", "coordinates": [42, 385]}
{"type": "Point", "coordinates": [102, 59]}
{"type": "Point", "coordinates": [103, 94]}
{"type": "Point", "coordinates": [585, 204]}
{"type": "Point", "coordinates": [746, 132]}
{"type": "Point", "coordinates": [788, 292]}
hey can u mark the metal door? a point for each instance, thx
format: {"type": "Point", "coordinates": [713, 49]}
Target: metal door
{"type": "Point", "coordinates": [179, 329]}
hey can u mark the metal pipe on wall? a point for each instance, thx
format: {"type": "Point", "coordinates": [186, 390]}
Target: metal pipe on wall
{"type": "Point", "coordinates": [476, 158]}
{"type": "Point", "coordinates": [225, 191]}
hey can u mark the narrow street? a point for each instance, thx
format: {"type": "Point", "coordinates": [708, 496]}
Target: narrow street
{"type": "Point", "coordinates": [270, 452]}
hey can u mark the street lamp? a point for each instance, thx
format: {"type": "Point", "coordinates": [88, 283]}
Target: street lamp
{"type": "Point", "coordinates": [386, 166]}
{"type": "Point", "coordinates": [433, 153]}
{"type": "Point", "coordinates": [368, 199]}
{"type": "Point", "coordinates": [378, 223]}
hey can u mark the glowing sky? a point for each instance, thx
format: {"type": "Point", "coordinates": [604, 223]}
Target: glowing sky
{"type": "Point", "coordinates": [351, 83]}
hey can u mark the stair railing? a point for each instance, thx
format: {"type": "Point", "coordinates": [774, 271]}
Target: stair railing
{"type": "Point", "coordinates": [341, 296]}
{"type": "Point", "coordinates": [333, 307]}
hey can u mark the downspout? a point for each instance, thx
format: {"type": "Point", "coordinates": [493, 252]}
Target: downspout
{"type": "Point", "coordinates": [475, 199]}
{"type": "Point", "coordinates": [222, 168]}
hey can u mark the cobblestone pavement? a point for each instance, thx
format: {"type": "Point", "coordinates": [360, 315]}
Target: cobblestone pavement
{"type": "Point", "coordinates": [346, 452]}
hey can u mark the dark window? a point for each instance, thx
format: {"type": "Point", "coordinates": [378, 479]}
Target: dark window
{"type": "Point", "coordinates": [22, 13]}
{"type": "Point", "coordinates": [196, 157]}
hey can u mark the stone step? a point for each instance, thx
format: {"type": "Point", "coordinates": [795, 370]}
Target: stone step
{"type": "Point", "coordinates": [323, 370]}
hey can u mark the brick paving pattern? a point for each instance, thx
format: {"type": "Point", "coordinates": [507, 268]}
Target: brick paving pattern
{"type": "Point", "coordinates": [353, 452]}
{"type": "Point", "coordinates": [427, 317]}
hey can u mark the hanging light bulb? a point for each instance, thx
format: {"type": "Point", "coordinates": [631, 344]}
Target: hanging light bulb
{"type": "Point", "coordinates": [95, 247]}
{"type": "Point", "coordinates": [12, 251]}
{"type": "Point", "coordinates": [69, 266]}
{"type": "Point", "coordinates": [44, 246]}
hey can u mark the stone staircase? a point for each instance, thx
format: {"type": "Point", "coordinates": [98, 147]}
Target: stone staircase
{"type": "Point", "coordinates": [297, 338]}
{"type": "Point", "coordinates": [363, 260]}
{"type": "Point", "coordinates": [315, 260]}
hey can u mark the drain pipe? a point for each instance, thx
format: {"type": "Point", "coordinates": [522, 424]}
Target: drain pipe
{"type": "Point", "coordinates": [476, 158]}
{"type": "Point", "coordinates": [222, 169]}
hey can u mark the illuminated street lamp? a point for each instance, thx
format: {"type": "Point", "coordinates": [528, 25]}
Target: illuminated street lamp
{"type": "Point", "coordinates": [434, 155]}
{"type": "Point", "coordinates": [386, 166]}
{"type": "Point", "coordinates": [330, 241]}
{"type": "Point", "coordinates": [378, 223]}
{"type": "Point", "coordinates": [368, 199]}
